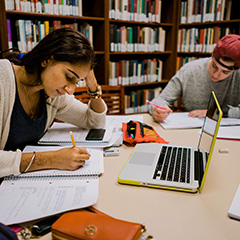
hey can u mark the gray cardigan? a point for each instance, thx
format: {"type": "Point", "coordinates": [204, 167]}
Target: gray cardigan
{"type": "Point", "coordinates": [65, 108]}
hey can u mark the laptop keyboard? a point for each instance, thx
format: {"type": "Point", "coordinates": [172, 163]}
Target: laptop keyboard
{"type": "Point", "coordinates": [199, 166]}
{"type": "Point", "coordinates": [173, 164]}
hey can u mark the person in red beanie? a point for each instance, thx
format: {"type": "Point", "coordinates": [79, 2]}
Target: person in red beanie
{"type": "Point", "coordinates": [195, 81]}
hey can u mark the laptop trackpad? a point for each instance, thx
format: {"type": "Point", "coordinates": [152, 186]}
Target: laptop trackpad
{"type": "Point", "coordinates": [142, 158]}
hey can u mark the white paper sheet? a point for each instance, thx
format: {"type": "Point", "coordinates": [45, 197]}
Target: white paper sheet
{"type": "Point", "coordinates": [27, 200]}
{"type": "Point", "coordinates": [234, 210]}
{"type": "Point", "coordinates": [229, 132]}
{"type": "Point", "coordinates": [180, 120]}
{"type": "Point", "coordinates": [117, 120]}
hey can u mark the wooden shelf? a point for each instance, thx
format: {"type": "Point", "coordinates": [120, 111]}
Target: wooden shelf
{"type": "Point", "coordinates": [207, 24]}
{"type": "Point", "coordinates": [202, 54]}
{"type": "Point", "coordinates": [140, 53]}
{"type": "Point", "coordinates": [141, 23]}
{"type": "Point", "coordinates": [44, 15]}
{"type": "Point", "coordinates": [148, 84]}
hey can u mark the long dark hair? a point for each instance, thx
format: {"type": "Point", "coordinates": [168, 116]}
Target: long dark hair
{"type": "Point", "coordinates": [64, 44]}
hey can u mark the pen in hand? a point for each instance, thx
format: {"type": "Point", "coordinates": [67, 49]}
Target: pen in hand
{"type": "Point", "coordinates": [149, 102]}
{"type": "Point", "coordinates": [72, 138]}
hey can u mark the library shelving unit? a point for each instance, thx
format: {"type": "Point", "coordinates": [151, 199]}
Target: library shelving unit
{"type": "Point", "coordinates": [217, 21]}
{"type": "Point", "coordinates": [168, 22]}
{"type": "Point", "coordinates": [168, 55]}
{"type": "Point", "coordinates": [96, 13]}
{"type": "Point", "coordinates": [93, 13]}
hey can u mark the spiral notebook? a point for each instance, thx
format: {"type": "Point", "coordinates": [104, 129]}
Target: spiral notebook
{"type": "Point", "coordinates": [93, 166]}
{"type": "Point", "coordinates": [38, 194]}
{"type": "Point", "coordinates": [58, 134]}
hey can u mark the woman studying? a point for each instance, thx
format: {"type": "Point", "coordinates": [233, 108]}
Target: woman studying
{"type": "Point", "coordinates": [38, 87]}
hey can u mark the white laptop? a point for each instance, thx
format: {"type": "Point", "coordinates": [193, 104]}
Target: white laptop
{"type": "Point", "coordinates": [181, 168]}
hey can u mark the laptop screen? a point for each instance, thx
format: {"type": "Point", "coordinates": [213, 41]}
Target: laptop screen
{"type": "Point", "coordinates": [209, 132]}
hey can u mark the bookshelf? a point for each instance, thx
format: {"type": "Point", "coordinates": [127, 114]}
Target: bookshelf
{"type": "Point", "coordinates": [96, 14]}
{"type": "Point", "coordinates": [199, 30]}
{"type": "Point", "coordinates": [131, 54]}
{"type": "Point", "coordinates": [93, 13]}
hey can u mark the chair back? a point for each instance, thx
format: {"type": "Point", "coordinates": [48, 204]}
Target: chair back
{"type": "Point", "coordinates": [112, 95]}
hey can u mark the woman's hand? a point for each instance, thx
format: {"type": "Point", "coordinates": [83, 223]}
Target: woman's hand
{"type": "Point", "coordinates": [70, 158]}
{"type": "Point", "coordinates": [91, 81]}
{"type": "Point", "coordinates": [96, 103]}
{"type": "Point", "coordinates": [161, 114]}
{"type": "Point", "coordinates": [198, 113]}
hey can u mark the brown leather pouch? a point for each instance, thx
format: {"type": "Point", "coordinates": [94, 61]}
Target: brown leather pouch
{"type": "Point", "coordinates": [90, 223]}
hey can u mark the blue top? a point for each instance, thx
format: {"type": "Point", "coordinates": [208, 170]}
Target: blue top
{"type": "Point", "coordinates": [23, 129]}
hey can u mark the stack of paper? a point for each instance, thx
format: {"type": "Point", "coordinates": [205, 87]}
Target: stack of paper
{"type": "Point", "coordinates": [181, 120]}
{"type": "Point", "coordinates": [58, 134]}
{"type": "Point", "coordinates": [234, 210]}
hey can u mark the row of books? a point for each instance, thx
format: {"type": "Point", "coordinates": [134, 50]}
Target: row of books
{"type": "Point", "coordinates": [200, 40]}
{"type": "Point", "coordinates": [205, 10]}
{"type": "Point", "coordinates": [136, 10]}
{"type": "Point", "coordinates": [135, 101]}
{"type": "Point", "coordinates": [135, 39]}
{"type": "Point", "coordinates": [183, 60]}
{"type": "Point", "coordinates": [127, 72]}
{"type": "Point", "coordinates": [28, 33]}
{"type": "Point", "coordinates": [56, 7]}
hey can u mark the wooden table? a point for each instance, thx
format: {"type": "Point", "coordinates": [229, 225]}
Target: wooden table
{"type": "Point", "coordinates": [171, 214]}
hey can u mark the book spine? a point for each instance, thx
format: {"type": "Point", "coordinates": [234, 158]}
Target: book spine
{"type": "Point", "coordinates": [10, 44]}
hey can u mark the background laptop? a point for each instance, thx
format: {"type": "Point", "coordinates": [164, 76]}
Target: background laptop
{"type": "Point", "coordinates": [174, 167]}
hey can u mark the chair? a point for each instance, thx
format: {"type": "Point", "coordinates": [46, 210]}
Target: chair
{"type": "Point", "coordinates": [112, 95]}
{"type": "Point", "coordinates": [179, 106]}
